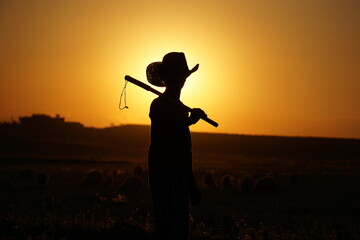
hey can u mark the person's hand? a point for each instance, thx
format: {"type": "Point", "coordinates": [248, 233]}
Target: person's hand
{"type": "Point", "coordinates": [195, 197]}
{"type": "Point", "coordinates": [196, 114]}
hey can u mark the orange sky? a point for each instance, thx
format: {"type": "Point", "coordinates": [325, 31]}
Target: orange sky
{"type": "Point", "coordinates": [266, 67]}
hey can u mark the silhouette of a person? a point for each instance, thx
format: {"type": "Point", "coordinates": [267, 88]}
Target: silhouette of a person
{"type": "Point", "coordinates": [171, 178]}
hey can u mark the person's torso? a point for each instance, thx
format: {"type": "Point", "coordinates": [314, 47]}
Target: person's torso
{"type": "Point", "coordinates": [170, 146]}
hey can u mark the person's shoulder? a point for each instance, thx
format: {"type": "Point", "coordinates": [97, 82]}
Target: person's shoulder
{"type": "Point", "coordinates": [157, 103]}
{"type": "Point", "coordinates": [161, 100]}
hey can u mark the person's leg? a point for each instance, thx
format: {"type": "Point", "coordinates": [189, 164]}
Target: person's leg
{"type": "Point", "coordinates": [180, 207]}
{"type": "Point", "coordinates": [160, 189]}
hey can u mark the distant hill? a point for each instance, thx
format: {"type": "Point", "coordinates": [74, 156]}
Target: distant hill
{"type": "Point", "coordinates": [278, 146]}
{"type": "Point", "coordinates": [43, 136]}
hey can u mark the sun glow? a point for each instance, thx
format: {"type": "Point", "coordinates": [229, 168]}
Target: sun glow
{"type": "Point", "coordinates": [264, 69]}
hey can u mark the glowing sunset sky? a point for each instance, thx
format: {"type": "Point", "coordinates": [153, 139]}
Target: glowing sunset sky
{"type": "Point", "coordinates": [274, 67]}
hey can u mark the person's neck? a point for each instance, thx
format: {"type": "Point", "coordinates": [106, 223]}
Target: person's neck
{"type": "Point", "coordinates": [173, 93]}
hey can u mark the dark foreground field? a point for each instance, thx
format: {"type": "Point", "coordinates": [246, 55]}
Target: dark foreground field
{"type": "Point", "coordinates": [301, 200]}
{"type": "Point", "coordinates": [254, 187]}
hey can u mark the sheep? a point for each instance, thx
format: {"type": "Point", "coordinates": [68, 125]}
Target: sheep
{"type": "Point", "coordinates": [118, 176]}
{"type": "Point", "coordinates": [267, 183]}
{"type": "Point", "coordinates": [42, 179]}
{"type": "Point", "coordinates": [108, 181]}
{"type": "Point", "coordinates": [132, 183]}
{"type": "Point", "coordinates": [282, 180]}
{"type": "Point", "coordinates": [209, 180]}
{"type": "Point", "coordinates": [119, 172]}
{"type": "Point", "coordinates": [93, 177]}
{"type": "Point", "coordinates": [138, 171]}
{"type": "Point", "coordinates": [227, 182]}
{"type": "Point", "coordinates": [247, 184]}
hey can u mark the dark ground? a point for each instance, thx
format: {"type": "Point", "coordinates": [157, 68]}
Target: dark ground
{"type": "Point", "coordinates": [302, 206]}
{"type": "Point", "coordinates": [314, 191]}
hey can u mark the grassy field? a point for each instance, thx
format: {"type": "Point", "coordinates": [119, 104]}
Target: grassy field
{"type": "Point", "coordinates": [306, 199]}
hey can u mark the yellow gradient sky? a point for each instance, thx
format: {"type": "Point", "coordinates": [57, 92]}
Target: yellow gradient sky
{"type": "Point", "coordinates": [279, 67]}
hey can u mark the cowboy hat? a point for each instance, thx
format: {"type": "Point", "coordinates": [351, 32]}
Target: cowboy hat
{"type": "Point", "coordinates": [173, 64]}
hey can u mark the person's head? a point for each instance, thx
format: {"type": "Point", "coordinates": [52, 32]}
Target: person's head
{"type": "Point", "coordinates": [171, 72]}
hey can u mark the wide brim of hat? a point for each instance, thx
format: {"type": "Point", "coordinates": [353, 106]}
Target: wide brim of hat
{"type": "Point", "coordinates": [153, 72]}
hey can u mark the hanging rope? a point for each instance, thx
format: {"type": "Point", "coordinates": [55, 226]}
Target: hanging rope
{"type": "Point", "coordinates": [123, 95]}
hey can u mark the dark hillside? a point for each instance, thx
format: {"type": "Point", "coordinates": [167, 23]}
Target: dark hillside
{"type": "Point", "coordinates": [276, 146]}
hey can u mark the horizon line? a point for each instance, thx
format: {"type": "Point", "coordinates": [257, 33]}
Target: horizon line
{"type": "Point", "coordinates": [59, 116]}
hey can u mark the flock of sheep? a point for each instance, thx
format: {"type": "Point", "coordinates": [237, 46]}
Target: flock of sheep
{"type": "Point", "coordinates": [136, 180]}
